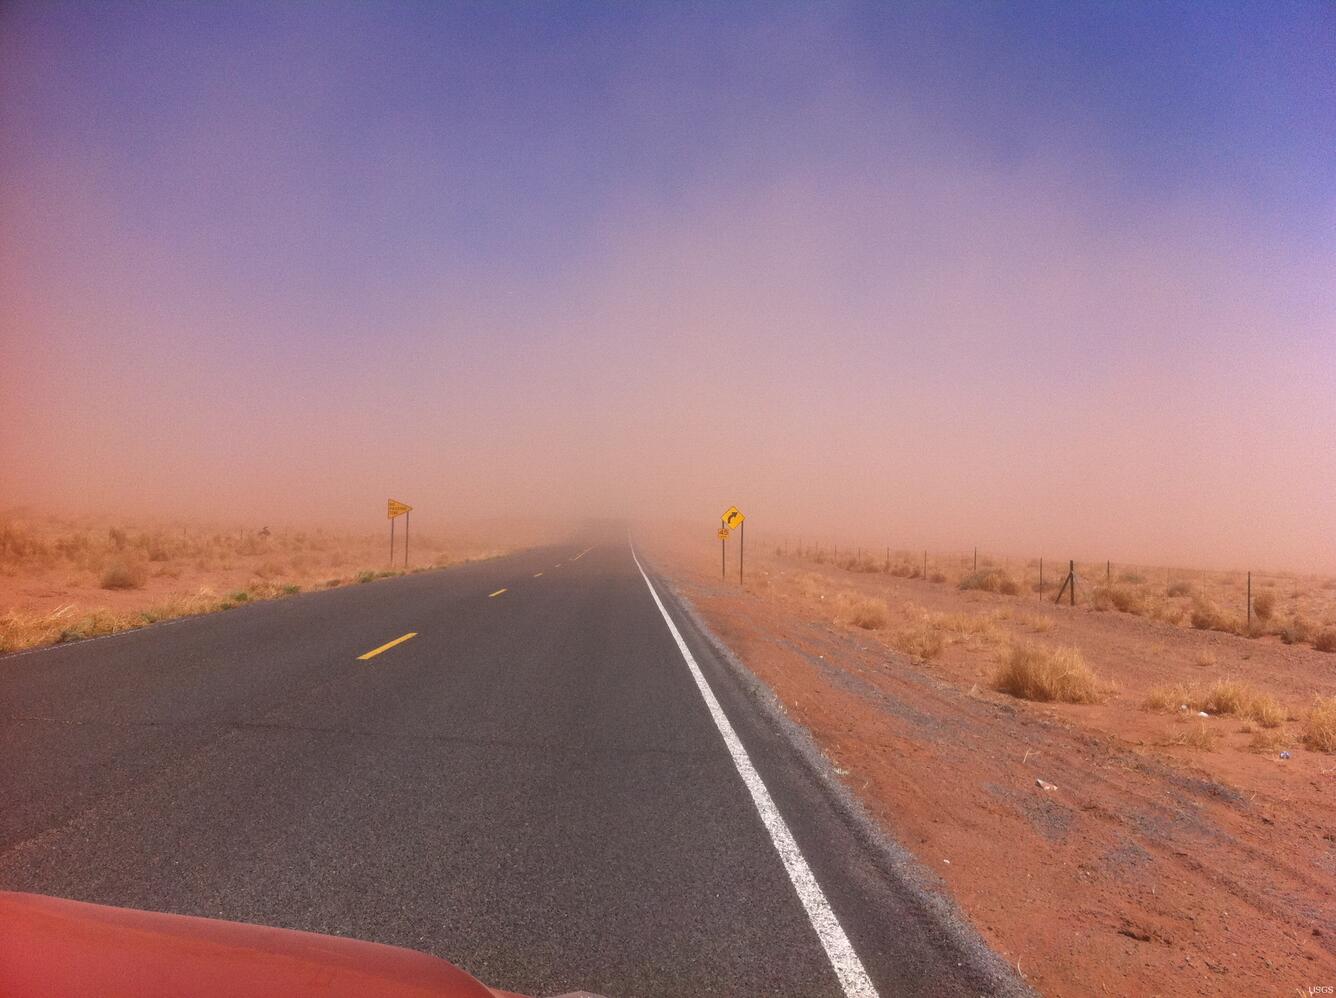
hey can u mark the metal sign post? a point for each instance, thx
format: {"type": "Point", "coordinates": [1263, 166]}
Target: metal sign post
{"type": "Point", "coordinates": [734, 519]}
{"type": "Point", "coordinates": [395, 509]}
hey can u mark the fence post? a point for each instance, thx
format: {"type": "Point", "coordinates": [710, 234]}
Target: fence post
{"type": "Point", "coordinates": [976, 557]}
{"type": "Point", "coordinates": [1041, 580]}
{"type": "Point", "coordinates": [1250, 602]}
{"type": "Point", "coordinates": [1071, 571]}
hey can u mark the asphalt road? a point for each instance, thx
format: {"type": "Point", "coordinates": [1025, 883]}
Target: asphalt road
{"type": "Point", "coordinates": [533, 787]}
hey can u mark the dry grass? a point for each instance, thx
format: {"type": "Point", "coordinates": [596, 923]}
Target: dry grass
{"type": "Point", "coordinates": [922, 641]}
{"type": "Point", "coordinates": [1225, 696]}
{"type": "Point", "coordinates": [1205, 659]}
{"type": "Point", "coordinates": [1036, 622]}
{"type": "Point", "coordinates": [1032, 672]}
{"type": "Point", "coordinates": [1207, 616]}
{"type": "Point", "coordinates": [1267, 711]}
{"type": "Point", "coordinates": [1297, 630]}
{"type": "Point", "coordinates": [1320, 725]}
{"type": "Point", "coordinates": [1122, 598]}
{"type": "Point", "coordinates": [991, 580]}
{"type": "Point", "coordinates": [869, 614]}
{"type": "Point", "coordinates": [1270, 741]}
{"type": "Point", "coordinates": [1264, 605]}
{"type": "Point", "coordinates": [932, 632]}
{"type": "Point", "coordinates": [75, 559]}
{"type": "Point", "coordinates": [1167, 699]}
{"type": "Point", "coordinates": [122, 574]}
{"type": "Point", "coordinates": [1325, 640]}
{"type": "Point", "coordinates": [1196, 736]}
{"type": "Point", "coordinates": [1179, 588]}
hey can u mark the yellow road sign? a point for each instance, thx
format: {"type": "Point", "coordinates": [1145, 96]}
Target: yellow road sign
{"type": "Point", "coordinates": [398, 508]}
{"type": "Point", "coordinates": [733, 518]}
{"type": "Point", "coordinates": [723, 533]}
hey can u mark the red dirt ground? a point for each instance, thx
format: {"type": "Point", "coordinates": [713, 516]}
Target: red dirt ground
{"type": "Point", "coordinates": [1152, 868]}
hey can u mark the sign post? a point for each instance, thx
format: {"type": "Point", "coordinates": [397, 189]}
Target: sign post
{"type": "Point", "coordinates": [734, 520]}
{"type": "Point", "coordinates": [723, 552]}
{"type": "Point", "coordinates": [396, 509]}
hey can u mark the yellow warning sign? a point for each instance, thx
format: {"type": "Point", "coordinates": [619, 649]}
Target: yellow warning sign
{"type": "Point", "coordinates": [733, 518]}
{"type": "Point", "coordinates": [398, 508]}
{"type": "Point", "coordinates": [723, 533]}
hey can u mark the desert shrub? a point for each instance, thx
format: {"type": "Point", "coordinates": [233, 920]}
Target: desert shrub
{"type": "Point", "coordinates": [1269, 741]}
{"type": "Point", "coordinates": [1119, 598]}
{"type": "Point", "coordinates": [1325, 639]}
{"type": "Point", "coordinates": [122, 574]}
{"type": "Point", "coordinates": [1131, 578]}
{"type": "Point", "coordinates": [981, 628]}
{"type": "Point", "coordinates": [869, 614]}
{"type": "Point", "coordinates": [991, 581]}
{"type": "Point", "coordinates": [366, 575]}
{"type": "Point", "coordinates": [1207, 616]}
{"type": "Point", "coordinates": [1197, 736]}
{"type": "Point", "coordinates": [17, 544]}
{"type": "Point", "coordinates": [1179, 588]}
{"type": "Point", "coordinates": [936, 577]}
{"type": "Point", "coordinates": [1172, 613]}
{"type": "Point", "coordinates": [1032, 672]}
{"type": "Point", "coordinates": [1204, 659]}
{"type": "Point", "coordinates": [1266, 711]}
{"type": "Point", "coordinates": [156, 547]}
{"type": "Point", "coordinates": [921, 641]}
{"type": "Point", "coordinates": [1264, 604]}
{"type": "Point", "coordinates": [1225, 696]}
{"type": "Point", "coordinates": [1167, 699]}
{"type": "Point", "coordinates": [1320, 725]}
{"type": "Point", "coordinates": [1296, 630]}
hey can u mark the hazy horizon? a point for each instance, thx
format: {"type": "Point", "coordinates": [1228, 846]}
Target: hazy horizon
{"type": "Point", "coordinates": [1052, 279]}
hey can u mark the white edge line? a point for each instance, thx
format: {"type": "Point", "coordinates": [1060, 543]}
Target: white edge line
{"type": "Point", "coordinates": [843, 960]}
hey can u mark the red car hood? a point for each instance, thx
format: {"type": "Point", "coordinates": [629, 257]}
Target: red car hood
{"type": "Point", "coordinates": [53, 948]}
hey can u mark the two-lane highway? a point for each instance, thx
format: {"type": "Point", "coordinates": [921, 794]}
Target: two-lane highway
{"type": "Point", "coordinates": [536, 767]}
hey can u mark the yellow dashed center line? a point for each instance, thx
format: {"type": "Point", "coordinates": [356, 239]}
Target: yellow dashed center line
{"type": "Point", "coordinates": [386, 647]}
{"type": "Point", "coordinates": [582, 553]}
{"type": "Point", "coordinates": [537, 574]}
{"type": "Point", "coordinates": [497, 593]}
